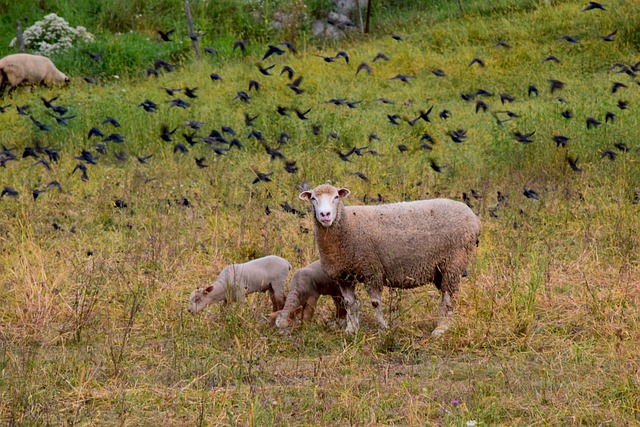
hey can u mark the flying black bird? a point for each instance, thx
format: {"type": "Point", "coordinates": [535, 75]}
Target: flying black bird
{"type": "Point", "coordinates": [284, 138]}
{"type": "Point", "coordinates": [393, 119]}
{"type": "Point", "coordinates": [384, 100]}
{"type": "Point", "coordinates": [3, 109]}
{"type": "Point", "coordinates": [592, 122]}
{"type": "Point", "coordinates": [436, 168]}
{"type": "Point", "coordinates": [23, 110]}
{"type": "Point", "coordinates": [229, 130]}
{"type": "Point", "coordinates": [166, 134]}
{"type": "Point", "coordinates": [567, 114]}
{"type": "Point", "coordinates": [478, 61]}
{"type": "Point", "coordinates": [149, 106]}
{"type": "Point", "coordinates": [570, 39]}
{"type": "Point", "coordinates": [88, 157]}
{"type": "Point", "coordinates": [287, 69]}
{"type": "Point", "coordinates": [551, 58]}
{"type": "Point", "coordinates": [397, 37]}
{"type": "Point", "coordinates": [402, 148]}
{"type": "Point", "coordinates": [210, 50]}
{"type": "Point", "coordinates": [623, 104]}
{"type": "Point", "coordinates": [380, 55]}
{"type": "Point", "coordinates": [265, 71]}
{"type": "Point", "coordinates": [611, 155]}
{"type": "Point", "coordinates": [254, 85]}
{"type": "Point", "coordinates": [444, 114]}
{"type": "Point", "coordinates": [144, 159]}
{"type": "Point", "coordinates": [343, 54]}
{"type": "Point", "coordinates": [524, 138]}
{"type": "Point", "coordinates": [255, 134]}
{"type": "Point", "coordinates": [242, 96]}
{"type": "Point", "coordinates": [361, 176]}
{"type": "Point", "coordinates": [302, 115]}
{"type": "Point", "coordinates": [120, 156]}
{"type": "Point", "coordinates": [282, 110]}
{"type": "Point", "coordinates": [290, 166]}
{"type": "Point", "coordinates": [373, 136]}
{"type": "Point", "coordinates": [48, 103]}
{"type": "Point", "coordinates": [56, 184]}
{"type": "Point", "coordinates": [560, 140]}
{"type": "Point", "coordinates": [288, 45]}
{"type": "Point", "coordinates": [481, 105]}
{"type": "Point", "coordinates": [505, 97]}
{"type": "Point", "coordinates": [89, 80]}
{"type": "Point", "coordinates": [180, 148]}
{"type": "Point", "coordinates": [345, 156]}
{"type": "Point", "coordinates": [264, 177]}
{"type": "Point", "coordinates": [114, 137]}
{"type": "Point", "coordinates": [438, 73]}
{"type": "Point", "coordinates": [530, 194]}
{"type": "Point", "coordinates": [403, 78]}
{"type": "Point", "coordinates": [609, 116]}
{"type": "Point", "coordinates": [272, 50]}
{"type": "Point", "coordinates": [327, 58]}
{"type": "Point", "coordinates": [9, 191]}
{"type": "Point", "coordinates": [200, 162]}
{"type": "Point", "coordinates": [622, 147]}
{"type": "Point", "coordinates": [609, 37]}
{"type": "Point", "coordinates": [196, 37]}
{"type": "Point", "coordinates": [555, 85]}
{"type": "Point", "coordinates": [112, 121]}
{"type": "Point", "coordinates": [190, 92]}
{"type": "Point", "coordinates": [166, 35]}
{"type": "Point", "coordinates": [178, 103]}
{"type": "Point", "coordinates": [502, 44]}
{"type": "Point", "coordinates": [573, 163]}
{"type": "Point", "coordinates": [41, 126]}
{"type": "Point", "coordinates": [353, 104]}
{"type": "Point", "coordinates": [215, 76]}
{"type": "Point", "coordinates": [458, 136]}
{"type": "Point", "coordinates": [101, 148]}
{"type": "Point", "coordinates": [83, 169]}
{"type": "Point", "coordinates": [364, 67]}
{"type": "Point", "coordinates": [35, 193]}
{"type": "Point", "coordinates": [44, 163]}
{"type": "Point", "coordinates": [248, 120]}
{"type": "Point", "coordinates": [593, 6]}
{"type": "Point", "coordinates": [532, 90]}
{"type": "Point", "coordinates": [616, 86]}
{"type": "Point", "coordinates": [240, 44]}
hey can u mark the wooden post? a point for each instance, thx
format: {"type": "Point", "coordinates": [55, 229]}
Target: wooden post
{"type": "Point", "coordinates": [360, 25]}
{"type": "Point", "coordinates": [366, 27]}
{"type": "Point", "coordinates": [19, 37]}
{"type": "Point", "coordinates": [192, 33]}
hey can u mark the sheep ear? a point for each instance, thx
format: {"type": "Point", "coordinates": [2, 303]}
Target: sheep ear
{"type": "Point", "coordinates": [343, 192]}
{"type": "Point", "coordinates": [207, 289]}
{"type": "Point", "coordinates": [305, 195]}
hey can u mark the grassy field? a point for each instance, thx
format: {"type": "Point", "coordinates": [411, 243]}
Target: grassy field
{"type": "Point", "coordinates": [95, 275]}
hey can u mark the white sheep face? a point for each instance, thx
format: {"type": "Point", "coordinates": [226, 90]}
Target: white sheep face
{"type": "Point", "coordinates": [196, 302]}
{"type": "Point", "coordinates": [325, 200]}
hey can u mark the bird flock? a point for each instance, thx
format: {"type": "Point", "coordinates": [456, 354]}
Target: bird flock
{"type": "Point", "coordinates": [222, 141]}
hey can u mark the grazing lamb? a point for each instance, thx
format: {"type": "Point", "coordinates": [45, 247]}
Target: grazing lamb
{"type": "Point", "coordinates": [267, 274]}
{"type": "Point", "coordinates": [400, 245]}
{"type": "Point", "coordinates": [24, 69]}
{"type": "Point", "coordinates": [307, 285]}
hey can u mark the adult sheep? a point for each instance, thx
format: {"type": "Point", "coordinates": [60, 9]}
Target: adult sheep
{"type": "Point", "coordinates": [267, 274]}
{"type": "Point", "coordinates": [306, 287]}
{"type": "Point", "coordinates": [25, 69]}
{"type": "Point", "coordinates": [400, 245]}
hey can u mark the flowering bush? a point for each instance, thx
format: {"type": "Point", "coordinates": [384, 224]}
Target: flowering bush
{"type": "Point", "coordinates": [52, 34]}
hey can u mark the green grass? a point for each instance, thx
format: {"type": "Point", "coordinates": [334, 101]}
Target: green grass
{"type": "Point", "coordinates": [93, 322]}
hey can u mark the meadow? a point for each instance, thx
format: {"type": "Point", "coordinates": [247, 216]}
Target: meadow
{"type": "Point", "coordinates": [95, 274]}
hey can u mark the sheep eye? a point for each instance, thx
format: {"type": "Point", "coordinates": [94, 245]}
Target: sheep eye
{"type": "Point", "coordinates": [313, 199]}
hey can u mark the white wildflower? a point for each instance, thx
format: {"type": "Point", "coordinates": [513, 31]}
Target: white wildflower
{"type": "Point", "coordinates": [471, 423]}
{"type": "Point", "coordinates": [52, 34]}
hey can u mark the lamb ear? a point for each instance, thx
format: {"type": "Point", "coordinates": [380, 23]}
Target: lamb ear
{"type": "Point", "coordinates": [343, 192]}
{"type": "Point", "coordinates": [207, 289]}
{"type": "Point", "coordinates": [305, 195]}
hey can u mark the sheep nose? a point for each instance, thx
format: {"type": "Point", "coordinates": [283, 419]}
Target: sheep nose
{"type": "Point", "coordinates": [325, 214]}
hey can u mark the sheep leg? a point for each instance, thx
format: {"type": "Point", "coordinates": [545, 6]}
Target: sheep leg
{"type": "Point", "coordinates": [351, 303]}
{"type": "Point", "coordinates": [309, 309]}
{"type": "Point", "coordinates": [376, 302]}
{"type": "Point", "coordinates": [447, 305]}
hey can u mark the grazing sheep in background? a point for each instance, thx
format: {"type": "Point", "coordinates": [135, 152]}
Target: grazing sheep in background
{"type": "Point", "coordinates": [307, 285]}
{"type": "Point", "coordinates": [400, 245]}
{"type": "Point", "coordinates": [267, 274]}
{"type": "Point", "coordinates": [24, 69]}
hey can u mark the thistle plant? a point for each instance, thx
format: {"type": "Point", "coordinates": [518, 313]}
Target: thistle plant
{"type": "Point", "coordinates": [52, 34]}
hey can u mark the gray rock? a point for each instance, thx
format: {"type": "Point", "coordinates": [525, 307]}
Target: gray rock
{"type": "Point", "coordinates": [317, 28]}
{"type": "Point", "coordinates": [340, 21]}
{"type": "Point", "coordinates": [345, 7]}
